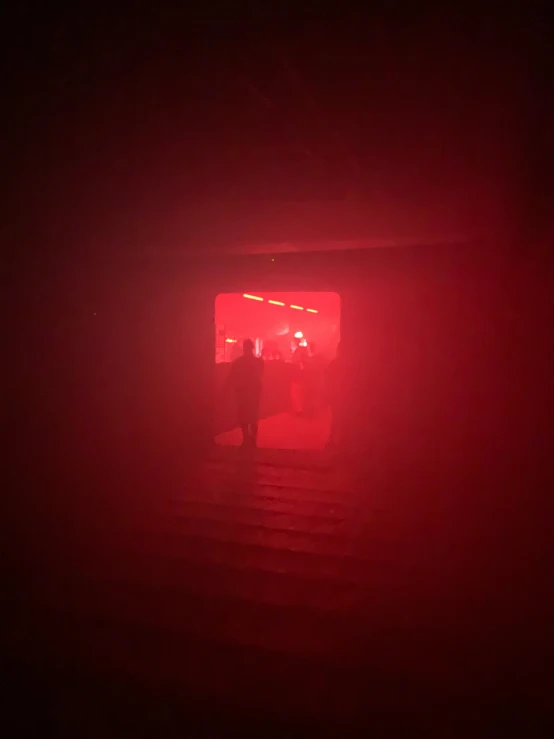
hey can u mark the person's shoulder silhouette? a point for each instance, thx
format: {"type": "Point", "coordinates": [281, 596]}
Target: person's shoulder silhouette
{"type": "Point", "coordinates": [247, 370]}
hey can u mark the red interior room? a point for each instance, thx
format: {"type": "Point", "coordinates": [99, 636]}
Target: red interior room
{"type": "Point", "coordinates": [296, 334]}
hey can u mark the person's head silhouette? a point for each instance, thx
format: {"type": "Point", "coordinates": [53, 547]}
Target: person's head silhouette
{"type": "Point", "coordinates": [248, 347]}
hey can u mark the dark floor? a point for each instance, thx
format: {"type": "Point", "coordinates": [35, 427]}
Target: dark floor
{"type": "Point", "coordinates": [283, 600]}
{"type": "Point", "coordinates": [286, 431]}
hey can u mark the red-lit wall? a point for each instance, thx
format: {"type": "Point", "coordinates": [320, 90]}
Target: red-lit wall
{"type": "Point", "coordinates": [451, 357]}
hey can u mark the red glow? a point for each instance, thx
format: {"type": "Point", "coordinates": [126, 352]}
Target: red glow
{"type": "Point", "coordinates": [298, 335]}
{"type": "Point", "coordinates": [279, 302]}
{"type": "Point", "coordinates": [231, 341]}
{"type": "Point", "coordinates": [239, 318]}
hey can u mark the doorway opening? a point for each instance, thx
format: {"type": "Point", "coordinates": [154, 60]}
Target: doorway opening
{"type": "Point", "coordinates": [296, 334]}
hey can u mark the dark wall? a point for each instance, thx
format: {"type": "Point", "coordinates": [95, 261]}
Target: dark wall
{"type": "Point", "coordinates": [450, 350]}
{"type": "Point", "coordinates": [456, 371]}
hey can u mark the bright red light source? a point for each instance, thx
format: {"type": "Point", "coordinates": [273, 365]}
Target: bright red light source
{"type": "Point", "coordinates": [298, 335]}
{"type": "Point", "coordinates": [251, 297]}
{"type": "Point", "coordinates": [297, 307]}
{"type": "Point", "coordinates": [311, 310]}
{"type": "Point", "coordinates": [231, 341]}
{"type": "Point", "coordinates": [275, 302]}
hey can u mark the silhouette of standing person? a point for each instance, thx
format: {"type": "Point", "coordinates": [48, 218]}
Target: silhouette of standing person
{"type": "Point", "coordinates": [315, 385]}
{"type": "Point", "coordinates": [246, 379]}
{"type": "Point", "coordinates": [335, 390]}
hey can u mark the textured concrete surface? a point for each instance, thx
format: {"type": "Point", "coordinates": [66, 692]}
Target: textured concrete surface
{"type": "Point", "coordinates": [286, 431]}
{"type": "Point", "coordinates": [261, 596]}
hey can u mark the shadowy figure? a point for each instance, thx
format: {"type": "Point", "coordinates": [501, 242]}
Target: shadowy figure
{"type": "Point", "coordinates": [298, 385]}
{"type": "Point", "coordinates": [335, 388]}
{"type": "Point", "coordinates": [245, 378]}
{"type": "Point", "coordinates": [314, 381]}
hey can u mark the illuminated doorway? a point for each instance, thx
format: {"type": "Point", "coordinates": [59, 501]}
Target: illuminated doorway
{"type": "Point", "coordinates": [296, 334]}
